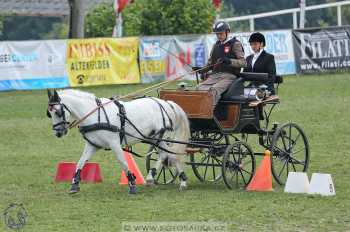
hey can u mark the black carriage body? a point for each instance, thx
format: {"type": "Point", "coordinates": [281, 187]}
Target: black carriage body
{"type": "Point", "coordinates": [212, 151]}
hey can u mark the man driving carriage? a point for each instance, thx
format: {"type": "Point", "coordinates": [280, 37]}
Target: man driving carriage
{"type": "Point", "coordinates": [226, 60]}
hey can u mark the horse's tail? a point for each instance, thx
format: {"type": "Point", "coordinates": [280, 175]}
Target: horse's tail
{"type": "Point", "coordinates": [181, 129]}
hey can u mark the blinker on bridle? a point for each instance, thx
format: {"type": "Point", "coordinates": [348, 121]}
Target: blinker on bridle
{"type": "Point", "coordinates": [60, 113]}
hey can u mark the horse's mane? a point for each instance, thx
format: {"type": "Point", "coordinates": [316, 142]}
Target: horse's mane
{"type": "Point", "coordinates": [77, 93]}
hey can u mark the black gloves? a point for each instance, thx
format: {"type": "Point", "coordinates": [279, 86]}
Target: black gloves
{"type": "Point", "coordinates": [225, 60]}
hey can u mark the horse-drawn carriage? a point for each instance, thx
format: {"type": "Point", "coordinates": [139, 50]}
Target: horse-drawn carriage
{"type": "Point", "coordinates": [219, 148]}
{"type": "Point", "coordinates": [218, 136]}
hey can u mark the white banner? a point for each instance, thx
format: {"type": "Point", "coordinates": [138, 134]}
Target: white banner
{"type": "Point", "coordinates": [278, 43]}
{"type": "Point", "coordinates": [33, 65]}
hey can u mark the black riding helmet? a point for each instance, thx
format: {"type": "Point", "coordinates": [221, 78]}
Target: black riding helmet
{"type": "Point", "coordinates": [221, 26]}
{"type": "Point", "coordinates": [257, 37]}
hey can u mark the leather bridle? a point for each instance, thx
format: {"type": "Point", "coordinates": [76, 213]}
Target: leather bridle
{"type": "Point", "coordinates": [61, 114]}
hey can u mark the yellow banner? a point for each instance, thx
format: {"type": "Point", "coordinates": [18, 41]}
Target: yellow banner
{"type": "Point", "coordinates": [102, 61]}
{"type": "Point", "coordinates": [152, 67]}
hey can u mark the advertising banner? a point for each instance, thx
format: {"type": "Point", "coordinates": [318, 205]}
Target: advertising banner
{"type": "Point", "coordinates": [102, 61]}
{"type": "Point", "coordinates": [33, 65]}
{"type": "Point", "coordinates": [322, 49]}
{"type": "Point", "coordinates": [168, 57]}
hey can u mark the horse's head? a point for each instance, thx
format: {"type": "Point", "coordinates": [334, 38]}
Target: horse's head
{"type": "Point", "coordinates": [59, 114]}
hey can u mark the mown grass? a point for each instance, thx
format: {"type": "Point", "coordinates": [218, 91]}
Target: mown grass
{"type": "Point", "coordinates": [29, 153]}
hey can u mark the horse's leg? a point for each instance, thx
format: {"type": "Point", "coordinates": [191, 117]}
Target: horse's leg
{"type": "Point", "coordinates": [89, 150]}
{"type": "Point", "coordinates": [153, 171]}
{"type": "Point", "coordinates": [162, 157]}
{"type": "Point", "coordinates": [121, 159]}
{"type": "Point", "coordinates": [182, 175]}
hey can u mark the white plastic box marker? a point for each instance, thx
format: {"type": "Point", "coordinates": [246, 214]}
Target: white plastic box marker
{"type": "Point", "coordinates": [297, 182]}
{"type": "Point", "coordinates": [322, 183]}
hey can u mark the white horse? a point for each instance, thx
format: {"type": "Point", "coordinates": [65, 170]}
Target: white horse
{"type": "Point", "coordinates": [105, 128]}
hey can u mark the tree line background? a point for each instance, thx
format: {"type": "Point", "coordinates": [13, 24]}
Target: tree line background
{"type": "Point", "coordinates": [165, 17]}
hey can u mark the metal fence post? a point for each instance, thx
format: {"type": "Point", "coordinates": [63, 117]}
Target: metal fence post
{"type": "Point", "coordinates": [251, 24]}
{"type": "Point", "coordinates": [302, 13]}
{"type": "Point", "coordinates": [339, 15]}
{"type": "Point", "coordinates": [295, 20]}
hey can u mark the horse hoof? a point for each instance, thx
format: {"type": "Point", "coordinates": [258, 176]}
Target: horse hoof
{"type": "Point", "coordinates": [132, 189]}
{"type": "Point", "coordinates": [150, 182]}
{"type": "Point", "coordinates": [74, 189]}
{"type": "Point", "coordinates": [183, 186]}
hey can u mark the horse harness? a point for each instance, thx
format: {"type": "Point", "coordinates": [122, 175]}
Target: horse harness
{"type": "Point", "coordinates": [123, 120]}
{"type": "Point", "coordinates": [60, 113]}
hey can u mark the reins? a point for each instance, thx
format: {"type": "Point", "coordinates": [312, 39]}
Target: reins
{"type": "Point", "coordinates": [134, 94]}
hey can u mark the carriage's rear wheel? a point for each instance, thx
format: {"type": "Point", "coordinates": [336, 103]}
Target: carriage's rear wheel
{"type": "Point", "coordinates": [290, 151]}
{"type": "Point", "coordinates": [238, 165]}
{"type": "Point", "coordinates": [166, 174]}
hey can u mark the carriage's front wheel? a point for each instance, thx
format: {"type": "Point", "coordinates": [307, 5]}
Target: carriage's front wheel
{"type": "Point", "coordinates": [290, 151]}
{"type": "Point", "coordinates": [238, 165]}
{"type": "Point", "coordinates": [166, 175]}
{"type": "Point", "coordinates": [206, 166]}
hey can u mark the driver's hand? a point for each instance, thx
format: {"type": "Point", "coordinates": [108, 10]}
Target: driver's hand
{"type": "Point", "coordinates": [224, 60]}
{"type": "Point", "coordinates": [203, 76]}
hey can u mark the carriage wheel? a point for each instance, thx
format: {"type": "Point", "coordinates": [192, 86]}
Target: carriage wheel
{"type": "Point", "coordinates": [206, 166]}
{"type": "Point", "coordinates": [290, 151]}
{"type": "Point", "coordinates": [238, 165]}
{"type": "Point", "coordinates": [165, 175]}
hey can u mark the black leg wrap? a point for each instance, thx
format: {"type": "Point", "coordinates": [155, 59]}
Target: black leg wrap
{"type": "Point", "coordinates": [77, 178]}
{"type": "Point", "coordinates": [166, 162]}
{"type": "Point", "coordinates": [75, 185]}
{"type": "Point", "coordinates": [153, 172]}
{"type": "Point", "coordinates": [182, 176]}
{"type": "Point", "coordinates": [132, 183]}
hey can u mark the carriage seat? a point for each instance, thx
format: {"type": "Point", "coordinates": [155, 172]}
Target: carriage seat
{"type": "Point", "coordinates": [236, 91]}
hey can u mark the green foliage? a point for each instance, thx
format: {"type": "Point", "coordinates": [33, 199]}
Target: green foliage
{"type": "Point", "coordinates": [346, 15]}
{"type": "Point", "coordinates": [167, 17]}
{"type": "Point", "coordinates": [227, 11]}
{"type": "Point", "coordinates": [1, 25]}
{"type": "Point", "coordinates": [59, 31]}
{"type": "Point", "coordinates": [100, 21]}
{"type": "Point", "coordinates": [153, 17]}
{"type": "Point", "coordinates": [26, 27]}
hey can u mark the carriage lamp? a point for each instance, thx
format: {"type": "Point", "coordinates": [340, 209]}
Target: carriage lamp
{"type": "Point", "coordinates": [254, 93]}
{"type": "Point", "coordinates": [260, 94]}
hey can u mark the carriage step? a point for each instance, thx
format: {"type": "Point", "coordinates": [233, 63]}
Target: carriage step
{"type": "Point", "coordinates": [191, 150]}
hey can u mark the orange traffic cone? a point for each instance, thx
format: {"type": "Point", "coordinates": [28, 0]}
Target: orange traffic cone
{"type": "Point", "coordinates": [133, 168]}
{"type": "Point", "coordinates": [262, 180]}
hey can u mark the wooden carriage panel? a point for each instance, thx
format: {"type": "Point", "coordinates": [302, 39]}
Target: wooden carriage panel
{"type": "Point", "coordinates": [232, 116]}
{"type": "Point", "coordinates": [196, 104]}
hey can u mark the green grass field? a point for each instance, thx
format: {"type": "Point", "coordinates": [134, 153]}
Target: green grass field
{"type": "Point", "coordinates": [29, 153]}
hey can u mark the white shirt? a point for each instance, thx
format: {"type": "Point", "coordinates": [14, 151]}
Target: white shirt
{"type": "Point", "coordinates": [256, 56]}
